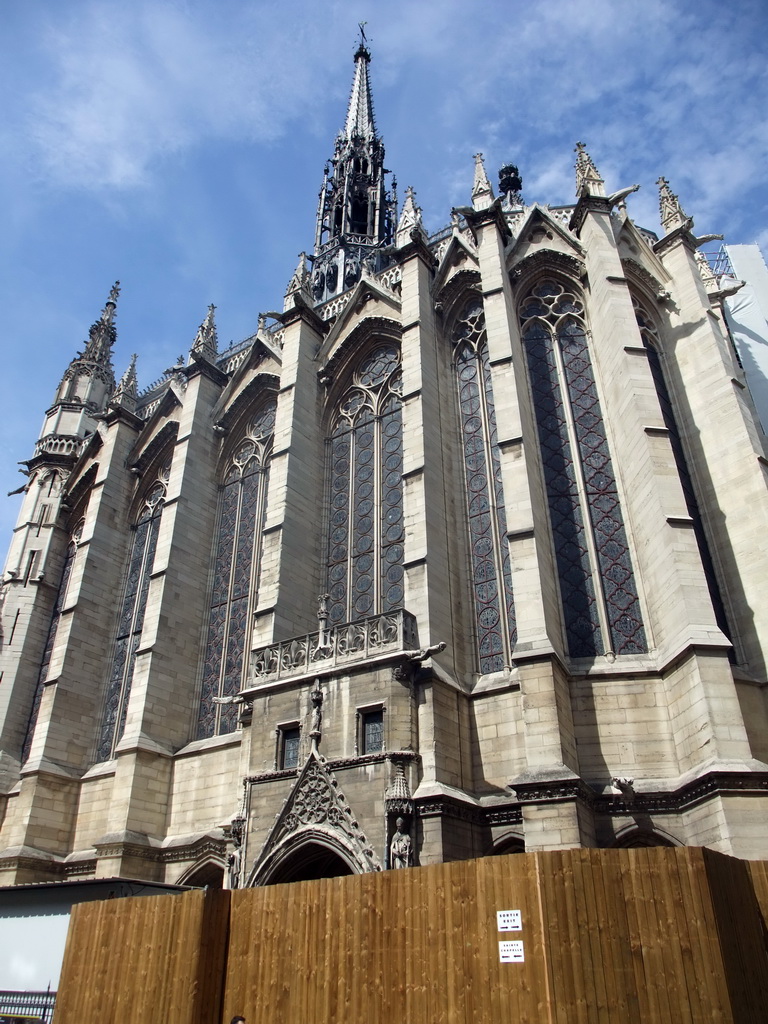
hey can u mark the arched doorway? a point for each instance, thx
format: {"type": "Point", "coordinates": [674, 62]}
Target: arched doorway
{"type": "Point", "coordinates": [311, 854]}
{"type": "Point", "coordinates": [309, 861]}
{"type": "Point", "coordinates": [210, 873]}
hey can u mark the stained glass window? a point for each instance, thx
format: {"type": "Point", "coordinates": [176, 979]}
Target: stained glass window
{"type": "Point", "coordinates": [50, 639]}
{"type": "Point", "coordinates": [652, 345]}
{"type": "Point", "coordinates": [373, 731]}
{"type": "Point", "coordinates": [236, 571]}
{"type": "Point", "coordinates": [365, 467]}
{"type": "Point", "coordinates": [597, 585]}
{"type": "Point", "coordinates": [491, 574]}
{"type": "Point", "coordinates": [290, 738]}
{"type": "Point", "coordinates": [131, 621]}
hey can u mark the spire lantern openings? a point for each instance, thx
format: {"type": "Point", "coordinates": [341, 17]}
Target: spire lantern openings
{"type": "Point", "coordinates": [356, 214]}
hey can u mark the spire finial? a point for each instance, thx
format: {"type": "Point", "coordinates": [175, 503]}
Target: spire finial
{"type": "Point", "coordinates": [127, 390]}
{"type": "Point", "coordinates": [671, 213]}
{"type": "Point", "coordinates": [206, 341]}
{"type": "Point", "coordinates": [360, 120]}
{"type": "Point", "coordinates": [410, 220]}
{"type": "Point", "coordinates": [102, 333]}
{"type": "Point", "coordinates": [482, 193]}
{"type": "Point", "coordinates": [299, 283]}
{"type": "Point", "coordinates": [588, 180]}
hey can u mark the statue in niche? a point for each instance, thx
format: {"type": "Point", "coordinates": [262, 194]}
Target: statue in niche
{"type": "Point", "coordinates": [318, 284]}
{"type": "Point", "coordinates": [233, 867]}
{"type": "Point", "coordinates": [352, 273]}
{"type": "Point", "coordinates": [400, 847]}
{"type": "Point", "coordinates": [331, 277]}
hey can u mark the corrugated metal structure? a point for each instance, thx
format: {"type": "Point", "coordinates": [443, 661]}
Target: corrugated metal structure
{"type": "Point", "coordinates": [636, 935]}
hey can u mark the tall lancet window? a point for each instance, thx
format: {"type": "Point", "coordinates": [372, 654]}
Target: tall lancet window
{"type": "Point", "coordinates": [597, 585]}
{"type": "Point", "coordinates": [491, 575]}
{"type": "Point", "coordinates": [50, 639]}
{"type": "Point", "coordinates": [365, 465]}
{"type": "Point", "coordinates": [652, 345]}
{"type": "Point", "coordinates": [131, 621]}
{"type": "Point", "coordinates": [236, 572]}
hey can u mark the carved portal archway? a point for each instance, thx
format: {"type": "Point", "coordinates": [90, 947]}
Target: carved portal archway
{"type": "Point", "coordinates": [311, 855]}
{"type": "Point", "coordinates": [315, 832]}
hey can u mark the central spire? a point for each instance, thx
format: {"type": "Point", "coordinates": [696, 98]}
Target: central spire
{"type": "Point", "coordinates": [360, 119]}
{"type": "Point", "coordinates": [356, 214]}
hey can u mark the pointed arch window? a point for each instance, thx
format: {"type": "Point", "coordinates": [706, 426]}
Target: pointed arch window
{"type": "Point", "coordinates": [50, 639]}
{"type": "Point", "coordinates": [131, 620]}
{"type": "Point", "coordinates": [495, 628]}
{"type": "Point", "coordinates": [601, 609]}
{"type": "Point", "coordinates": [236, 572]}
{"type": "Point", "coordinates": [365, 472]}
{"type": "Point", "coordinates": [652, 345]}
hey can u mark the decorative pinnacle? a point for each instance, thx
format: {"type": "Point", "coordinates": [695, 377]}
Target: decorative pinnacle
{"type": "Point", "coordinates": [410, 219]}
{"type": "Point", "coordinates": [300, 282]}
{"type": "Point", "coordinates": [671, 213]}
{"type": "Point", "coordinates": [206, 341]}
{"type": "Point", "coordinates": [102, 333]}
{"type": "Point", "coordinates": [482, 193]}
{"type": "Point", "coordinates": [588, 180]}
{"type": "Point", "coordinates": [108, 313]}
{"type": "Point", "coordinates": [127, 390]}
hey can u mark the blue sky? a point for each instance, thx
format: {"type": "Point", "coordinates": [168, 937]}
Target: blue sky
{"type": "Point", "coordinates": [178, 145]}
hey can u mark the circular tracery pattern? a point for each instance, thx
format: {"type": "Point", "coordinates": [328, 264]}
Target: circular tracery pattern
{"type": "Point", "coordinates": [365, 552]}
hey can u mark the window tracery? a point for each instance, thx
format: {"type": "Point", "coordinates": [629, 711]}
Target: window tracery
{"type": "Point", "coordinates": [489, 552]}
{"type": "Point", "coordinates": [652, 344]}
{"type": "Point", "coordinates": [50, 639]}
{"type": "Point", "coordinates": [236, 572]}
{"type": "Point", "coordinates": [599, 596]}
{"type": "Point", "coordinates": [365, 466]}
{"type": "Point", "coordinates": [131, 620]}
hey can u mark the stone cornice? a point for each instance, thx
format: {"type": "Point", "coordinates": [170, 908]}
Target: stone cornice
{"type": "Point", "coordinates": [201, 366]}
{"type": "Point", "coordinates": [493, 214]}
{"type": "Point", "coordinates": [418, 248]}
{"type": "Point", "coordinates": [585, 206]}
{"type": "Point", "coordinates": [300, 311]}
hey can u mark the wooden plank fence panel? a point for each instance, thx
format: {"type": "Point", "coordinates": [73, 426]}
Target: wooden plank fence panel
{"type": "Point", "coordinates": [651, 935]}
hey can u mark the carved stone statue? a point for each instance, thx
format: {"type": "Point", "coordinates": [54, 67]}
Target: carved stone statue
{"type": "Point", "coordinates": [400, 847]}
{"type": "Point", "coordinates": [233, 866]}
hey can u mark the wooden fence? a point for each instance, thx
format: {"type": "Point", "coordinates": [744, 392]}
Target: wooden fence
{"type": "Point", "coordinates": [645, 935]}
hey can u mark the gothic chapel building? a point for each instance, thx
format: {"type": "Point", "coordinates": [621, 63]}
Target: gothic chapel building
{"type": "Point", "coordinates": [464, 552]}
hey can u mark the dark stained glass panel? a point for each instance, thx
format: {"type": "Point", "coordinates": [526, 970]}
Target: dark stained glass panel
{"type": "Point", "coordinates": [365, 466]}
{"type": "Point", "coordinates": [236, 572]}
{"type": "Point", "coordinates": [489, 551]}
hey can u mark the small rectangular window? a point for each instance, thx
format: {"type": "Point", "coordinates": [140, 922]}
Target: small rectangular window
{"type": "Point", "coordinates": [31, 566]}
{"type": "Point", "coordinates": [372, 731]}
{"type": "Point", "coordinates": [289, 746]}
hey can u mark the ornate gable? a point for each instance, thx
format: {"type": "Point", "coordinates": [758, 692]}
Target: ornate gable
{"type": "Point", "coordinates": [316, 811]}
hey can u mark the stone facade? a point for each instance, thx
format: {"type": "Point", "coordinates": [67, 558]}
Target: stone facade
{"type": "Point", "coordinates": [469, 543]}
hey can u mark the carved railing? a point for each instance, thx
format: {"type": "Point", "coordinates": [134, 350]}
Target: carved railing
{"type": "Point", "coordinates": [335, 647]}
{"type": "Point", "coordinates": [59, 444]}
